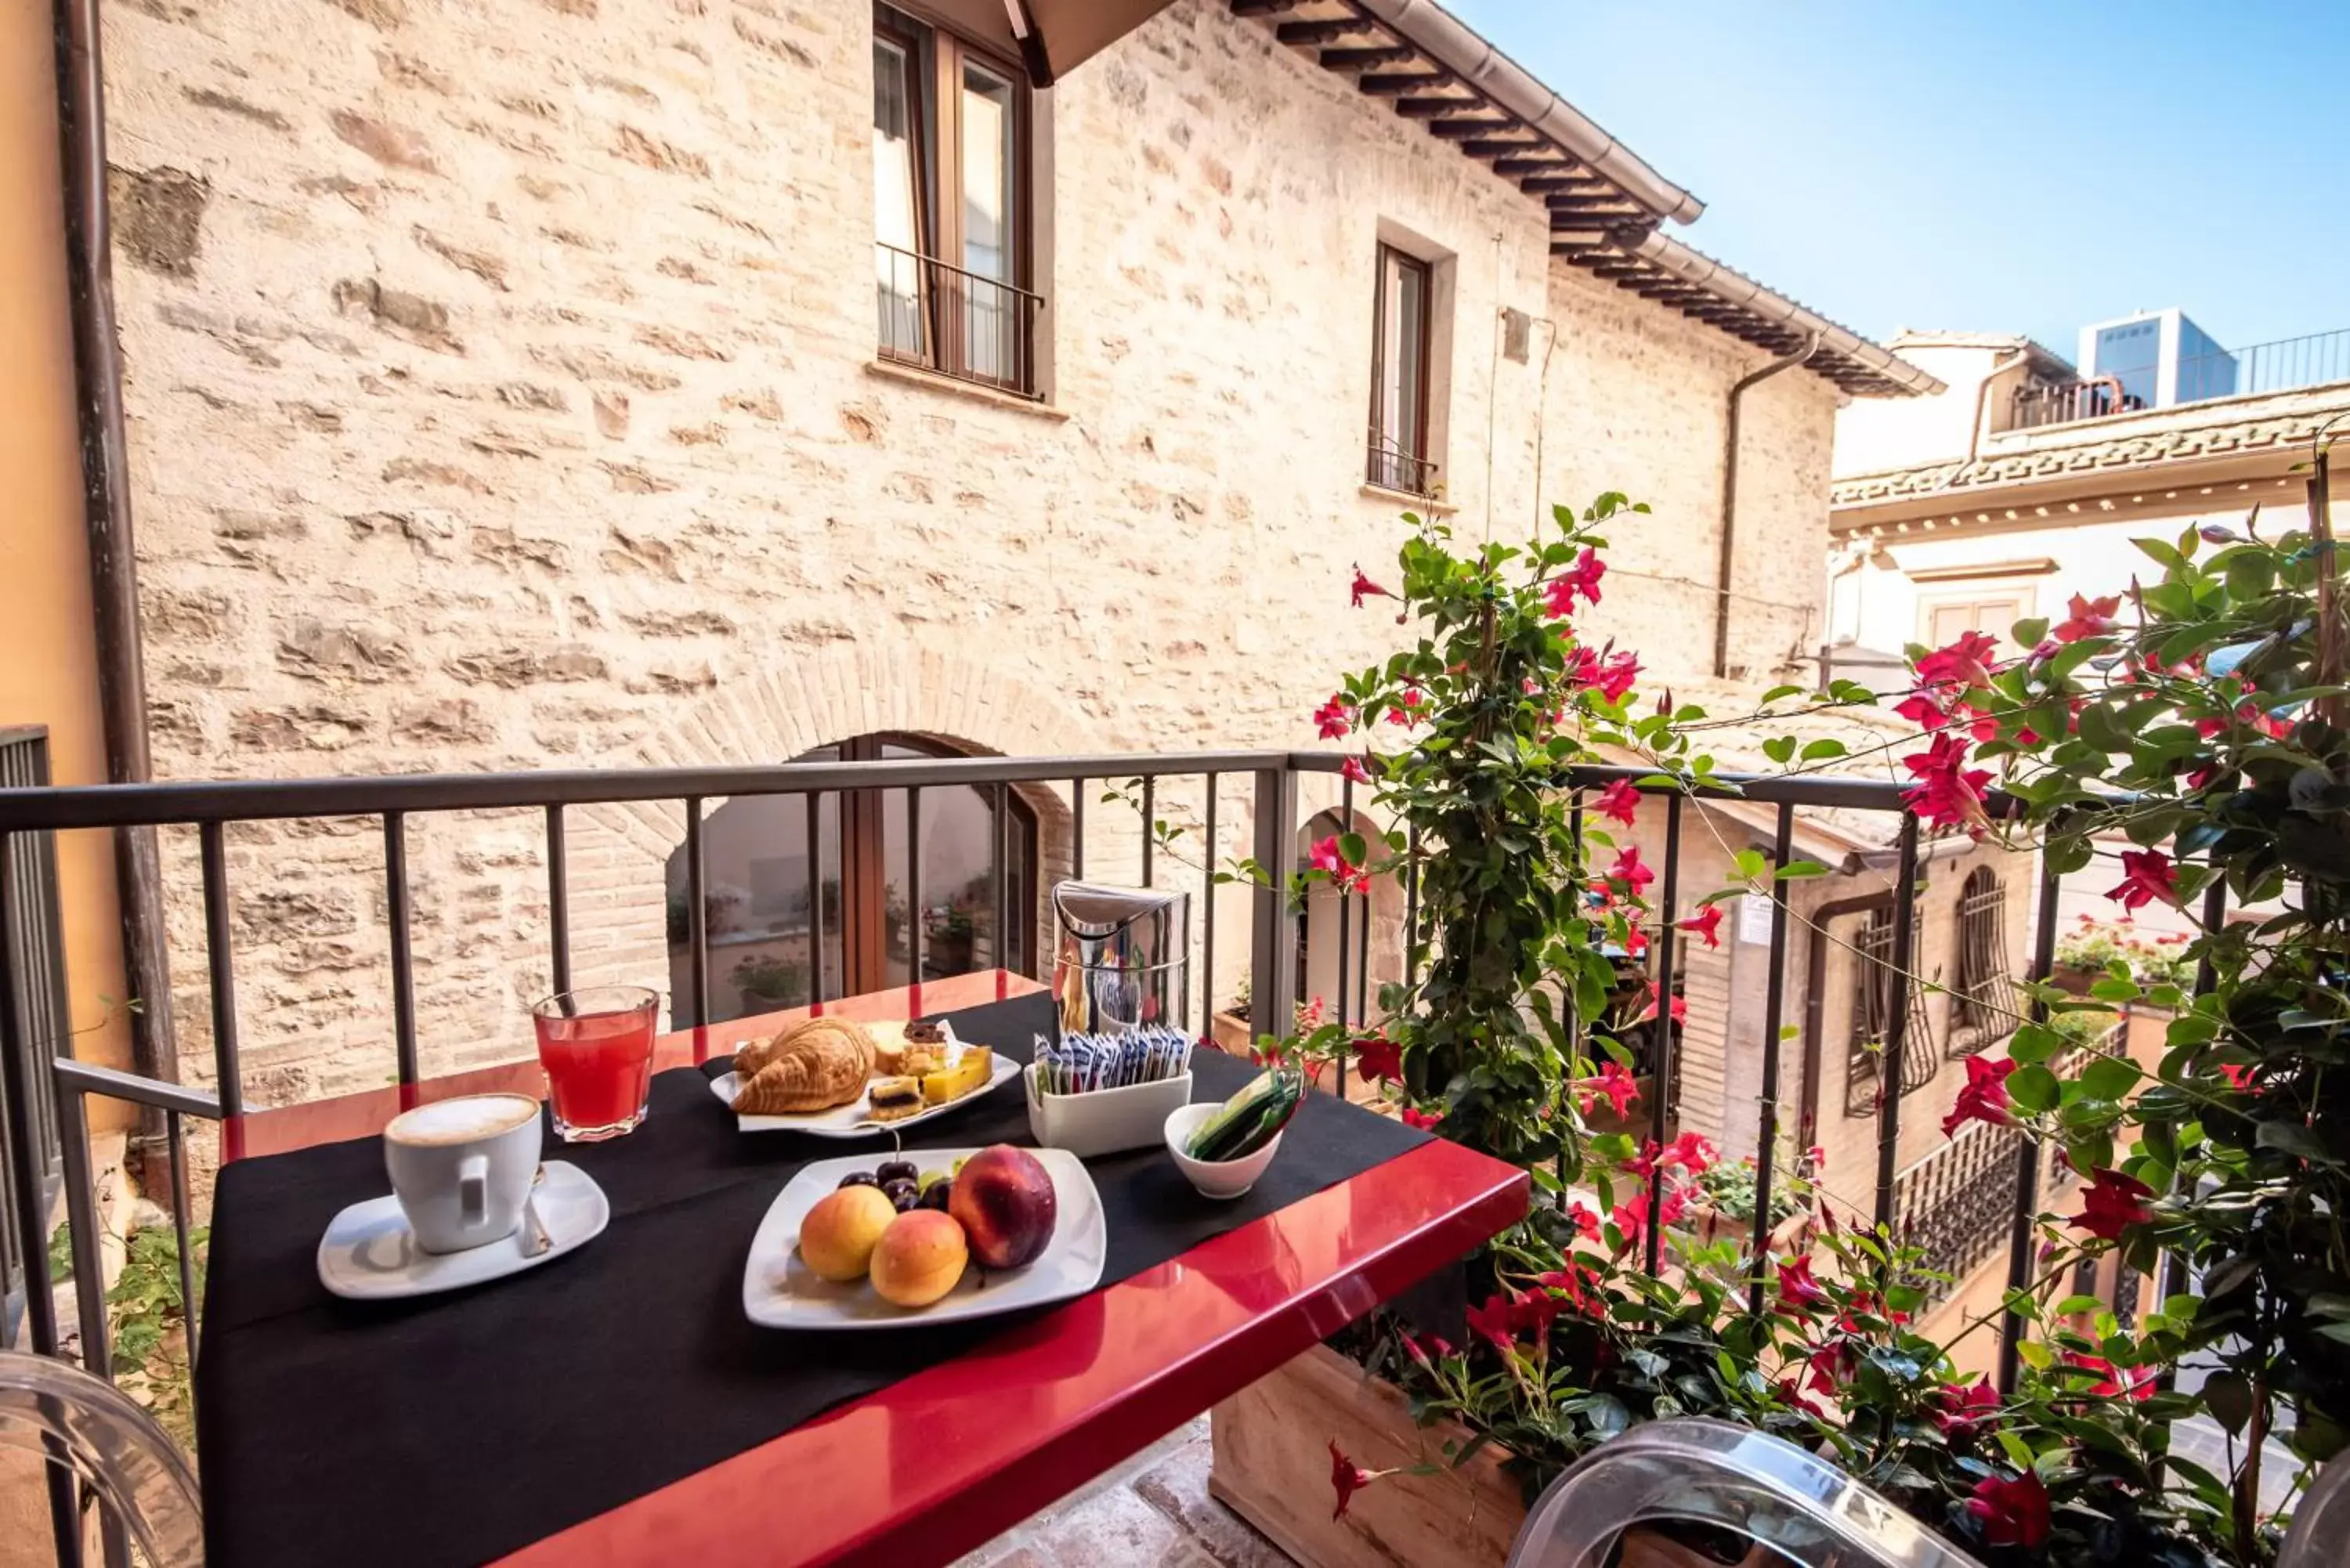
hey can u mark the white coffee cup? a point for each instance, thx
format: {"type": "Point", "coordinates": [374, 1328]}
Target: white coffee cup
{"type": "Point", "coordinates": [462, 1169]}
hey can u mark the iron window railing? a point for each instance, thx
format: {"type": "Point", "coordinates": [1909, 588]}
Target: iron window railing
{"type": "Point", "coordinates": [28, 906]}
{"type": "Point", "coordinates": [1879, 997]}
{"type": "Point", "coordinates": [1390, 467]}
{"type": "Point", "coordinates": [961, 323]}
{"type": "Point", "coordinates": [1275, 782]}
{"type": "Point", "coordinates": [1984, 1000]}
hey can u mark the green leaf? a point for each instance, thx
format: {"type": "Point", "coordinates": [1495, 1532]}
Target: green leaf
{"type": "Point", "coordinates": [1780, 749]}
{"type": "Point", "coordinates": [2031, 631]}
{"type": "Point", "coordinates": [1351, 846]}
{"type": "Point", "coordinates": [1794, 869]}
{"type": "Point", "coordinates": [2033, 1088]}
{"type": "Point", "coordinates": [2228, 1397]}
{"type": "Point", "coordinates": [2109, 1078]}
{"type": "Point", "coordinates": [1814, 751]}
{"type": "Point", "coordinates": [1750, 864]}
{"type": "Point", "coordinates": [1777, 692]}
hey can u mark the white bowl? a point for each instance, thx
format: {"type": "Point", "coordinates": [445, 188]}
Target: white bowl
{"type": "Point", "coordinates": [1214, 1179]}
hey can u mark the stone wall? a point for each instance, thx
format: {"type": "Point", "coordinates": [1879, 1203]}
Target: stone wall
{"type": "Point", "coordinates": [502, 396]}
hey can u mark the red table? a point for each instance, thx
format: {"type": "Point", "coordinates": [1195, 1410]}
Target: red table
{"type": "Point", "coordinates": [925, 1470]}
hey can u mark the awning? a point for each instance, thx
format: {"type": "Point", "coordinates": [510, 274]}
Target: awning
{"type": "Point", "coordinates": [1058, 36]}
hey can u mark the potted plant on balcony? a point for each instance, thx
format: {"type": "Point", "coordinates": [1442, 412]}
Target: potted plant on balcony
{"type": "Point", "coordinates": [776, 982]}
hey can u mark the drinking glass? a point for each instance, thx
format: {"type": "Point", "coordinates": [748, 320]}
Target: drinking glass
{"type": "Point", "coordinates": [597, 1046]}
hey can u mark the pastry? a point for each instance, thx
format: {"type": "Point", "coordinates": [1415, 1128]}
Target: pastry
{"type": "Point", "coordinates": [931, 1032]}
{"type": "Point", "coordinates": [754, 1054]}
{"type": "Point", "coordinates": [971, 1071]}
{"type": "Point", "coordinates": [813, 1066]}
{"type": "Point", "coordinates": [894, 1099]}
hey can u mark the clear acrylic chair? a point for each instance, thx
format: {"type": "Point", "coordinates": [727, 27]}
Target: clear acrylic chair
{"type": "Point", "coordinates": [2322, 1522]}
{"type": "Point", "coordinates": [1710, 1472]}
{"type": "Point", "coordinates": [60, 1413]}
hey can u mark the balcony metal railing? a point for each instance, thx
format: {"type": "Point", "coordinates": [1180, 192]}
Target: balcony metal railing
{"type": "Point", "coordinates": [2313, 359]}
{"type": "Point", "coordinates": [1387, 465]}
{"type": "Point", "coordinates": [957, 322]}
{"type": "Point", "coordinates": [28, 817]}
{"type": "Point", "coordinates": [2065, 402]}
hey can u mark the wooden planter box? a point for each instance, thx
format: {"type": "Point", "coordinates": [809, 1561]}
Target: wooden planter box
{"type": "Point", "coordinates": [1272, 1443]}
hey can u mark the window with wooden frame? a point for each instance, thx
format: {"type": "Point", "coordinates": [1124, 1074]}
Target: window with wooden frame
{"type": "Point", "coordinates": [1402, 307]}
{"type": "Point", "coordinates": [1992, 611]}
{"type": "Point", "coordinates": [951, 205]}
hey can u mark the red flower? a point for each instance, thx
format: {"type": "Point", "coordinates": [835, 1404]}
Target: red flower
{"type": "Point", "coordinates": [2013, 1512]}
{"type": "Point", "coordinates": [1586, 1220]}
{"type": "Point", "coordinates": [1615, 1084]}
{"type": "Point", "coordinates": [1832, 1367]}
{"type": "Point", "coordinates": [1619, 802]}
{"type": "Point", "coordinates": [1334, 719]}
{"type": "Point", "coordinates": [1379, 1057]}
{"type": "Point", "coordinates": [1629, 870]}
{"type": "Point", "coordinates": [1401, 713]}
{"type": "Point", "coordinates": [1706, 923]}
{"type": "Point", "coordinates": [2136, 1382]}
{"type": "Point", "coordinates": [1355, 768]}
{"type": "Point", "coordinates": [1492, 1320]}
{"type": "Point", "coordinates": [1632, 1216]}
{"type": "Point", "coordinates": [1693, 1151]}
{"type": "Point", "coordinates": [1948, 793]}
{"type": "Point", "coordinates": [1921, 709]}
{"type": "Point", "coordinates": [1345, 876]}
{"type": "Point", "coordinates": [1681, 1008]}
{"type": "Point", "coordinates": [1422, 1119]}
{"type": "Point", "coordinates": [2113, 1202]}
{"type": "Point", "coordinates": [1984, 1097]}
{"type": "Point", "coordinates": [1958, 1409]}
{"type": "Point", "coordinates": [1643, 1164]}
{"type": "Point", "coordinates": [2090, 617]}
{"type": "Point", "coordinates": [1611, 677]}
{"type": "Point", "coordinates": [1581, 579]}
{"type": "Point", "coordinates": [1366, 589]}
{"type": "Point", "coordinates": [1348, 1477]}
{"type": "Point", "coordinates": [1965, 664]}
{"type": "Point", "coordinates": [2238, 1076]}
{"type": "Point", "coordinates": [1797, 1286]}
{"type": "Point", "coordinates": [2147, 875]}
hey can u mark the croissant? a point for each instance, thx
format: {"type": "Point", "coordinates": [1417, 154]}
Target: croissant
{"type": "Point", "coordinates": [812, 1067]}
{"type": "Point", "coordinates": [754, 1054]}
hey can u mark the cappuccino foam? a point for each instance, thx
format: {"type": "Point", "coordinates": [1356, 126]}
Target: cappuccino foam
{"type": "Point", "coordinates": [463, 1120]}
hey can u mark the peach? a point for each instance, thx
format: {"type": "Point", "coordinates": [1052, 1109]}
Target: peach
{"type": "Point", "coordinates": [1004, 1201]}
{"type": "Point", "coordinates": [837, 1237]}
{"type": "Point", "coordinates": [918, 1258]}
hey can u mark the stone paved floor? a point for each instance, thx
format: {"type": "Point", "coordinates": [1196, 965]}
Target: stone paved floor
{"type": "Point", "coordinates": [1152, 1512]}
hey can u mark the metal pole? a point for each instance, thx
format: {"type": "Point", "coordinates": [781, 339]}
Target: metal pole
{"type": "Point", "coordinates": [558, 900]}
{"type": "Point", "coordinates": [1897, 1027]}
{"type": "Point", "coordinates": [697, 913]}
{"type": "Point", "coordinates": [403, 968]}
{"type": "Point", "coordinates": [1663, 1110]}
{"type": "Point", "coordinates": [814, 834]}
{"type": "Point", "coordinates": [2027, 1150]}
{"type": "Point", "coordinates": [1273, 944]}
{"type": "Point", "coordinates": [220, 963]}
{"type": "Point", "coordinates": [1346, 912]}
{"type": "Point", "coordinates": [1208, 923]}
{"type": "Point", "coordinates": [1149, 823]}
{"type": "Point", "coordinates": [914, 886]}
{"type": "Point", "coordinates": [1774, 1004]}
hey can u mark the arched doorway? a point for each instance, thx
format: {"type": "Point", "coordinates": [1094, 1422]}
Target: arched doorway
{"type": "Point", "coordinates": [767, 949]}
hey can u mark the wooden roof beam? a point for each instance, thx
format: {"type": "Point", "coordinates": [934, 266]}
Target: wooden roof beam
{"type": "Point", "coordinates": [1363, 58]}
{"type": "Point", "coordinates": [1263, 7]}
{"type": "Point", "coordinates": [1460, 129]}
{"type": "Point", "coordinates": [1488, 149]}
{"type": "Point", "coordinates": [1550, 163]}
{"type": "Point", "coordinates": [1396, 84]}
{"type": "Point", "coordinates": [1432, 108]}
{"type": "Point", "coordinates": [1329, 32]}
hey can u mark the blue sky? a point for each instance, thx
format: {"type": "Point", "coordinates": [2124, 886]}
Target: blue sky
{"type": "Point", "coordinates": [1985, 164]}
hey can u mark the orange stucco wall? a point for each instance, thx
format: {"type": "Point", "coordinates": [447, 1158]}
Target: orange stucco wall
{"type": "Point", "coordinates": [47, 661]}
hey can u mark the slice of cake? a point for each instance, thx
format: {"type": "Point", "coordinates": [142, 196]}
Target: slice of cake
{"type": "Point", "coordinates": [970, 1072]}
{"type": "Point", "coordinates": [893, 1099]}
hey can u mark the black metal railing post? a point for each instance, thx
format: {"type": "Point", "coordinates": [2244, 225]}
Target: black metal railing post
{"type": "Point", "coordinates": [1273, 945]}
{"type": "Point", "coordinates": [220, 967]}
{"type": "Point", "coordinates": [814, 837]}
{"type": "Point", "coordinates": [1897, 1025]}
{"type": "Point", "coordinates": [2027, 1148]}
{"type": "Point", "coordinates": [914, 909]}
{"type": "Point", "coordinates": [1774, 1005]}
{"type": "Point", "coordinates": [1345, 932]}
{"type": "Point", "coordinates": [1150, 824]}
{"type": "Point", "coordinates": [403, 965]}
{"type": "Point", "coordinates": [697, 913]}
{"type": "Point", "coordinates": [558, 903]}
{"type": "Point", "coordinates": [1668, 1064]}
{"type": "Point", "coordinates": [1208, 913]}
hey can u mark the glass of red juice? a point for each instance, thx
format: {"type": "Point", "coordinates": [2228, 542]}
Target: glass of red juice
{"type": "Point", "coordinates": [597, 1046]}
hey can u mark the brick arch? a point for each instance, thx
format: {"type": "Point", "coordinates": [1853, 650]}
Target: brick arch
{"type": "Point", "coordinates": [776, 706]}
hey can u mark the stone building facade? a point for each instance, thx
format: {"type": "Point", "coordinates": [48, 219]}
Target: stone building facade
{"type": "Point", "coordinates": [504, 393]}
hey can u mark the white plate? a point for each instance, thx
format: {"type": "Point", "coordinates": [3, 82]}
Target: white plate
{"type": "Point", "coordinates": [781, 1291]}
{"type": "Point", "coordinates": [369, 1254]}
{"type": "Point", "coordinates": [851, 1120]}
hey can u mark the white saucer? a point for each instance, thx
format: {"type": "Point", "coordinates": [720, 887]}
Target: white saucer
{"type": "Point", "coordinates": [368, 1253]}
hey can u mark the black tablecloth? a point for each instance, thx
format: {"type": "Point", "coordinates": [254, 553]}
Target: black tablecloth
{"type": "Point", "coordinates": [453, 1428]}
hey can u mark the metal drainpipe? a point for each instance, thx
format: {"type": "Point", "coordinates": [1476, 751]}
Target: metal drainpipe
{"type": "Point", "coordinates": [1982, 397]}
{"type": "Point", "coordinates": [1738, 391]}
{"type": "Point", "coordinates": [106, 513]}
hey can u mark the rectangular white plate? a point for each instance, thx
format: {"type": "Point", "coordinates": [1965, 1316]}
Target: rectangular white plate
{"type": "Point", "coordinates": [851, 1119]}
{"type": "Point", "coordinates": [780, 1292]}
